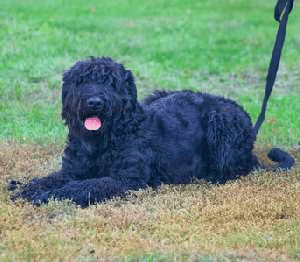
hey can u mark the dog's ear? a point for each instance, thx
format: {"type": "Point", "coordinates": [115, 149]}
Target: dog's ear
{"type": "Point", "coordinates": [65, 114]}
{"type": "Point", "coordinates": [125, 85]}
{"type": "Point", "coordinates": [131, 85]}
{"type": "Point", "coordinates": [66, 96]}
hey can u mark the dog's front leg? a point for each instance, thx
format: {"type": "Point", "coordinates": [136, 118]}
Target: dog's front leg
{"type": "Point", "coordinates": [84, 192]}
{"type": "Point", "coordinates": [130, 171]}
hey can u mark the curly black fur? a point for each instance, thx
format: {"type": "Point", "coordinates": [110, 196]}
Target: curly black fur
{"type": "Point", "coordinates": [170, 138]}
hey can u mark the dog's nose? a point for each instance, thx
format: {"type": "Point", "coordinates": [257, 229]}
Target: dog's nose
{"type": "Point", "coordinates": [94, 103]}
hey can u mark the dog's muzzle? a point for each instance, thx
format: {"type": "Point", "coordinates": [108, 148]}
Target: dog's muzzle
{"type": "Point", "coordinates": [92, 118]}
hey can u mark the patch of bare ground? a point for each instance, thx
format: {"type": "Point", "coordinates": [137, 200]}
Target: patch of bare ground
{"type": "Point", "coordinates": [255, 218]}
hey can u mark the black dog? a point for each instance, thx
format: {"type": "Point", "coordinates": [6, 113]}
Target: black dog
{"type": "Point", "coordinates": [116, 144]}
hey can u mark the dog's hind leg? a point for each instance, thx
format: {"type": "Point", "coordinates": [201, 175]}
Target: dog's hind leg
{"type": "Point", "coordinates": [230, 142]}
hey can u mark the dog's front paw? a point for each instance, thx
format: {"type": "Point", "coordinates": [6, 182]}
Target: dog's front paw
{"type": "Point", "coordinates": [39, 198]}
{"type": "Point", "coordinates": [36, 197]}
{"type": "Point", "coordinates": [13, 185]}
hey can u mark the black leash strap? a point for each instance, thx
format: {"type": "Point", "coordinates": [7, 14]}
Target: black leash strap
{"type": "Point", "coordinates": [285, 6]}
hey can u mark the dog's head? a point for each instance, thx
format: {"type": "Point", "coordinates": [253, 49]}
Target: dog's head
{"type": "Point", "coordinates": [96, 91]}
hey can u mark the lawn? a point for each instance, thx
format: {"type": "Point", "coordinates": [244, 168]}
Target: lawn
{"type": "Point", "coordinates": [220, 47]}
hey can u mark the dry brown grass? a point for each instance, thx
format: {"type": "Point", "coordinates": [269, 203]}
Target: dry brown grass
{"type": "Point", "coordinates": [255, 218]}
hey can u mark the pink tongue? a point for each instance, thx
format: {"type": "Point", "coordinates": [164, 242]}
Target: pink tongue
{"type": "Point", "coordinates": [92, 123]}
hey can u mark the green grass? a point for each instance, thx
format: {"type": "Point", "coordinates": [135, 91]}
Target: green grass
{"type": "Point", "coordinates": [167, 44]}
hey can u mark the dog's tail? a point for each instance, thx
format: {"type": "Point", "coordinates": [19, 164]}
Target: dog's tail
{"type": "Point", "coordinates": [285, 160]}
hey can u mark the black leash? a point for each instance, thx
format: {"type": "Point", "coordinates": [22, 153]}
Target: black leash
{"type": "Point", "coordinates": [285, 6]}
